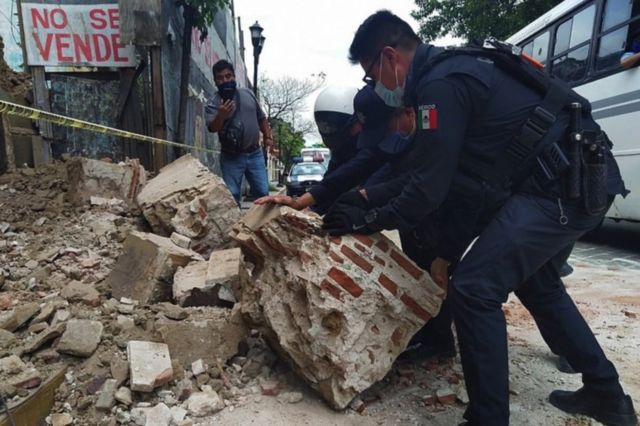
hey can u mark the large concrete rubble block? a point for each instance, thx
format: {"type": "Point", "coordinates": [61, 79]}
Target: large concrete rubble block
{"type": "Point", "coordinates": [89, 178]}
{"type": "Point", "coordinates": [208, 334]}
{"type": "Point", "coordinates": [213, 283]}
{"type": "Point", "coordinates": [340, 310]}
{"type": "Point", "coordinates": [144, 271]}
{"type": "Point", "coordinates": [149, 365]}
{"type": "Point", "coordinates": [188, 199]}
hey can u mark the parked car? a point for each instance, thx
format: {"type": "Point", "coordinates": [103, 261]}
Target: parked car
{"type": "Point", "coordinates": [302, 176]}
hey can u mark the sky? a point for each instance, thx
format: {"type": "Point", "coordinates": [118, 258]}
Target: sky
{"type": "Point", "coordinates": [307, 37]}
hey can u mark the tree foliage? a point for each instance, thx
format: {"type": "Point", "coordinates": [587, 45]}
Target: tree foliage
{"type": "Point", "coordinates": [477, 19]}
{"type": "Point", "coordinates": [288, 141]}
{"type": "Point", "coordinates": [203, 12]}
{"type": "Point", "coordinates": [285, 98]}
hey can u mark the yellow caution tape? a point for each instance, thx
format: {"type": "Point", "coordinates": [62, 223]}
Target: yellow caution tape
{"type": "Point", "coordinates": [36, 114]}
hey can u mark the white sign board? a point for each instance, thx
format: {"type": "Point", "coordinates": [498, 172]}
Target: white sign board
{"type": "Point", "coordinates": [75, 35]}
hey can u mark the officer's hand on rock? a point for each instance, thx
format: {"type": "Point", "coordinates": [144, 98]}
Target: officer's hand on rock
{"type": "Point", "coordinates": [354, 198]}
{"type": "Point", "coordinates": [342, 219]}
{"type": "Point", "coordinates": [226, 108]}
{"type": "Point", "coordinates": [440, 272]}
{"type": "Point", "coordinates": [283, 200]}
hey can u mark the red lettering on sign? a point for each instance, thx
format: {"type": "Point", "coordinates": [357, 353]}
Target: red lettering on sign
{"type": "Point", "coordinates": [60, 45]}
{"type": "Point", "coordinates": [82, 48]}
{"type": "Point", "coordinates": [38, 16]}
{"type": "Point", "coordinates": [46, 50]}
{"type": "Point", "coordinates": [115, 40]}
{"type": "Point", "coordinates": [61, 20]}
{"type": "Point", "coordinates": [114, 18]}
{"type": "Point", "coordinates": [101, 40]}
{"type": "Point", "coordinates": [97, 19]}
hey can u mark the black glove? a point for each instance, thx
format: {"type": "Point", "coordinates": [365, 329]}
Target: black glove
{"type": "Point", "coordinates": [353, 198]}
{"type": "Point", "coordinates": [345, 219]}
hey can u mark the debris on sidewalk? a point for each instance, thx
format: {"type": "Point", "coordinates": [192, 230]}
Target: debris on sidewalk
{"type": "Point", "coordinates": [98, 181]}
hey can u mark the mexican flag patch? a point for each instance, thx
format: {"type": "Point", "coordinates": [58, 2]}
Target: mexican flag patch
{"type": "Point", "coordinates": [427, 117]}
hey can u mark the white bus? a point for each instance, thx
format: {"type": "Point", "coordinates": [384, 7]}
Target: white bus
{"type": "Point", "coordinates": [582, 41]}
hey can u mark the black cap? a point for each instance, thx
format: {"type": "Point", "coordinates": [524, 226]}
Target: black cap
{"type": "Point", "coordinates": [373, 114]}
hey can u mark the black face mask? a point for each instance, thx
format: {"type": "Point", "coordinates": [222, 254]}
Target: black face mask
{"type": "Point", "coordinates": [227, 90]}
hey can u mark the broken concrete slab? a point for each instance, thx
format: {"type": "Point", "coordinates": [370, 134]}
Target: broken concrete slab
{"type": "Point", "coordinates": [106, 396]}
{"type": "Point", "coordinates": [206, 403]}
{"type": "Point", "coordinates": [11, 365]}
{"type": "Point", "coordinates": [48, 334]}
{"type": "Point", "coordinates": [209, 334]}
{"type": "Point", "coordinates": [119, 370]}
{"type": "Point", "coordinates": [180, 240]}
{"type": "Point", "coordinates": [76, 291]}
{"type": "Point", "coordinates": [187, 285]}
{"type": "Point", "coordinates": [89, 177]}
{"type": "Point", "coordinates": [124, 396]}
{"type": "Point", "coordinates": [16, 318]}
{"type": "Point", "coordinates": [26, 379]}
{"type": "Point", "coordinates": [144, 271]}
{"type": "Point", "coordinates": [216, 283]}
{"type": "Point", "coordinates": [7, 339]}
{"type": "Point", "coordinates": [15, 373]}
{"type": "Point", "coordinates": [227, 271]}
{"type": "Point", "coordinates": [61, 419]}
{"type": "Point", "coordinates": [159, 415]}
{"type": "Point", "coordinates": [81, 338]}
{"type": "Point", "coordinates": [188, 199]}
{"type": "Point", "coordinates": [339, 310]}
{"type": "Point", "coordinates": [149, 365]}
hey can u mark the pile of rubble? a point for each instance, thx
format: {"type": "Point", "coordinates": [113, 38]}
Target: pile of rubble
{"type": "Point", "coordinates": [17, 84]}
{"type": "Point", "coordinates": [161, 304]}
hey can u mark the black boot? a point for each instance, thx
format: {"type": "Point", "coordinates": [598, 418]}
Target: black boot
{"type": "Point", "coordinates": [610, 411]}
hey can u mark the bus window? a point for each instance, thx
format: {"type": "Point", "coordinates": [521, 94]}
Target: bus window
{"type": "Point", "coordinates": [563, 35]}
{"type": "Point", "coordinates": [541, 47]}
{"type": "Point", "coordinates": [528, 48]}
{"type": "Point", "coordinates": [615, 12]}
{"type": "Point", "coordinates": [582, 27]}
{"type": "Point", "coordinates": [571, 49]}
{"type": "Point", "coordinates": [611, 48]}
{"type": "Point", "coordinates": [572, 66]}
{"type": "Point", "coordinates": [616, 39]}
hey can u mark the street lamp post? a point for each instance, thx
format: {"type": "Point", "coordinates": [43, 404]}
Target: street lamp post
{"type": "Point", "coordinates": [257, 40]}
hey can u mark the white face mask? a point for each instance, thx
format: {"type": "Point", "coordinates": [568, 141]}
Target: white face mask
{"type": "Point", "coordinates": [392, 98]}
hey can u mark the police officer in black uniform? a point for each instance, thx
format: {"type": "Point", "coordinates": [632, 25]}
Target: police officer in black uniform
{"type": "Point", "coordinates": [496, 146]}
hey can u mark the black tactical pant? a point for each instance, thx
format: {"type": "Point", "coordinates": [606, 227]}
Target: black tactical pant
{"type": "Point", "coordinates": [522, 250]}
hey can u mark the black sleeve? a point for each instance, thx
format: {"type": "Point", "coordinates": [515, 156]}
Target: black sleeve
{"type": "Point", "coordinates": [348, 175]}
{"type": "Point", "coordinates": [444, 109]}
{"type": "Point", "coordinates": [380, 194]}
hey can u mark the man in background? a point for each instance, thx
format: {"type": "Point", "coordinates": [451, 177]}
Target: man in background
{"type": "Point", "coordinates": [235, 114]}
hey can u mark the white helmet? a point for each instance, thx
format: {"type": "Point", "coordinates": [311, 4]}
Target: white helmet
{"type": "Point", "coordinates": [333, 110]}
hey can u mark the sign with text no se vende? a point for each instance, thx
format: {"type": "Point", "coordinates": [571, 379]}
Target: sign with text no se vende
{"type": "Point", "coordinates": [75, 35]}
